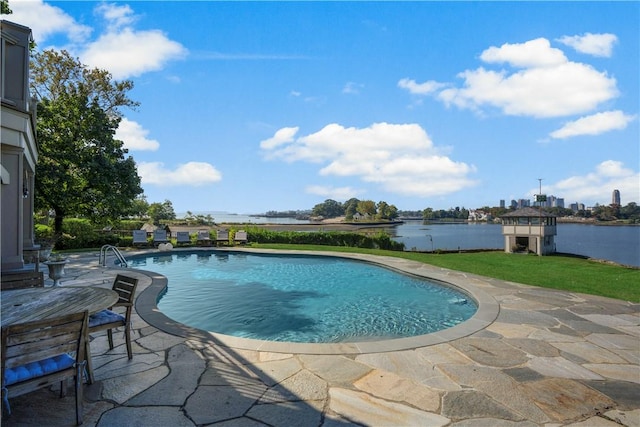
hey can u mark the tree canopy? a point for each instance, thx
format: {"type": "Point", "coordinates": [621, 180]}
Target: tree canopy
{"type": "Point", "coordinates": [82, 169]}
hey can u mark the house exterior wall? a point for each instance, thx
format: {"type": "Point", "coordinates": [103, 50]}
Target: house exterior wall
{"type": "Point", "coordinates": [532, 228]}
{"type": "Point", "coordinates": [18, 147]}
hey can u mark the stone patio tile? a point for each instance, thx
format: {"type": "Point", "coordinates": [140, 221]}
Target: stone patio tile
{"type": "Point", "coordinates": [149, 416]}
{"type": "Point", "coordinates": [614, 341]}
{"type": "Point", "coordinates": [218, 373]}
{"type": "Point", "coordinates": [442, 353]}
{"type": "Point", "coordinates": [465, 404]}
{"type": "Point", "coordinates": [585, 327]}
{"type": "Point", "coordinates": [364, 409]}
{"type": "Point", "coordinates": [624, 393]}
{"type": "Point", "coordinates": [185, 370]}
{"type": "Point", "coordinates": [411, 365]}
{"type": "Point", "coordinates": [594, 422]}
{"type": "Point", "coordinates": [630, 330]}
{"type": "Point", "coordinates": [565, 399]}
{"type": "Point", "coordinates": [533, 347]}
{"type": "Point", "coordinates": [608, 320]}
{"type": "Point", "coordinates": [493, 422]}
{"type": "Point", "coordinates": [490, 352]}
{"type": "Point", "coordinates": [527, 317]}
{"type": "Point", "coordinates": [510, 330]}
{"type": "Point", "coordinates": [302, 386]}
{"type": "Point", "coordinates": [335, 369]}
{"type": "Point", "coordinates": [549, 336]}
{"type": "Point", "coordinates": [589, 352]}
{"type": "Point", "coordinates": [390, 386]}
{"type": "Point", "coordinates": [124, 387]}
{"type": "Point", "coordinates": [110, 366]}
{"type": "Point", "coordinates": [299, 414]}
{"type": "Point", "coordinates": [616, 371]}
{"type": "Point", "coordinates": [561, 368]}
{"type": "Point", "coordinates": [498, 386]}
{"type": "Point", "coordinates": [159, 341]}
{"type": "Point", "coordinates": [210, 404]}
{"type": "Point", "coordinates": [625, 418]}
{"type": "Point", "coordinates": [273, 372]}
{"type": "Point", "coordinates": [241, 422]}
{"type": "Point", "coordinates": [631, 356]}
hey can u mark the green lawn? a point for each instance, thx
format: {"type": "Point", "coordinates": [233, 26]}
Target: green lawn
{"type": "Point", "coordinates": [557, 272]}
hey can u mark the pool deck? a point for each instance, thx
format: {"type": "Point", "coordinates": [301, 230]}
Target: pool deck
{"type": "Point", "coordinates": [530, 357]}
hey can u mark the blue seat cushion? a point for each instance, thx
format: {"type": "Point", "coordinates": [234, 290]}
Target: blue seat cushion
{"type": "Point", "coordinates": [105, 316]}
{"type": "Point", "coordinates": [37, 369]}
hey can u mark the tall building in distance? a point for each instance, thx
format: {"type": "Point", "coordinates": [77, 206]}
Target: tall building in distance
{"type": "Point", "coordinates": [615, 198]}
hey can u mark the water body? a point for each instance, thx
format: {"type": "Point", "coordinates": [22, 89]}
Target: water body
{"type": "Point", "coordinates": [619, 244]}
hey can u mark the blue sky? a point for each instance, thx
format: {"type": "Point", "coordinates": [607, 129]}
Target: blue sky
{"type": "Point", "coordinates": [255, 106]}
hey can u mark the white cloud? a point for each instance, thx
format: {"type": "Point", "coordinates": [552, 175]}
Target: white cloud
{"type": "Point", "coordinates": [592, 44]}
{"type": "Point", "coordinates": [541, 82]}
{"type": "Point", "coordinates": [415, 88]}
{"type": "Point", "coordinates": [400, 158]}
{"type": "Point", "coordinates": [46, 20]}
{"type": "Point", "coordinates": [334, 193]}
{"type": "Point", "coordinates": [121, 49]}
{"type": "Point", "coordinates": [596, 186]}
{"type": "Point", "coordinates": [188, 174]}
{"type": "Point", "coordinates": [595, 124]}
{"type": "Point", "coordinates": [352, 88]}
{"type": "Point", "coordinates": [128, 53]}
{"type": "Point", "coordinates": [134, 136]}
{"type": "Point", "coordinates": [282, 136]}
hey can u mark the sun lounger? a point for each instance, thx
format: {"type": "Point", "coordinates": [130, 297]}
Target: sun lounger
{"type": "Point", "coordinates": [222, 236]}
{"type": "Point", "coordinates": [240, 237]}
{"type": "Point", "coordinates": [204, 238]}
{"type": "Point", "coordinates": [183, 238]}
{"type": "Point", "coordinates": [139, 237]}
{"type": "Point", "coordinates": [159, 236]}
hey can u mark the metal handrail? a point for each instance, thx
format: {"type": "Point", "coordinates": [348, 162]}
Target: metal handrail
{"type": "Point", "coordinates": [103, 255]}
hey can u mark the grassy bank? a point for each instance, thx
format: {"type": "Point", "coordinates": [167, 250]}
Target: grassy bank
{"type": "Point", "coordinates": [557, 272]}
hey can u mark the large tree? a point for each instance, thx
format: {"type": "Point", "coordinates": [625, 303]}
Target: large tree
{"type": "Point", "coordinates": [82, 169]}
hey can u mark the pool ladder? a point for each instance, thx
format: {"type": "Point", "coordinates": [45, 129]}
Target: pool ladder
{"type": "Point", "coordinates": [103, 256]}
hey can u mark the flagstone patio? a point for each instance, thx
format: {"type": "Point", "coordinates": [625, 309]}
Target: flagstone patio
{"type": "Point", "coordinates": [547, 358]}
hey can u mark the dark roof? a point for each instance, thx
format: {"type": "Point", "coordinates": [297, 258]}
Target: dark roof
{"type": "Point", "coordinates": [527, 212]}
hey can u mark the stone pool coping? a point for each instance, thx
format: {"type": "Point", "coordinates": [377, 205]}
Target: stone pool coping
{"type": "Point", "coordinates": [488, 309]}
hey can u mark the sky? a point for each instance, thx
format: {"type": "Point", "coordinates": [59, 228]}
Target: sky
{"type": "Point", "coordinates": [247, 107]}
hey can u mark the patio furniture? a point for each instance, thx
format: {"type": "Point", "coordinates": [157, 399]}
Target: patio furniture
{"type": "Point", "coordinates": [160, 236]}
{"type": "Point", "coordinates": [240, 237]}
{"type": "Point", "coordinates": [21, 279]}
{"type": "Point", "coordinates": [204, 237]}
{"type": "Point", "coordinates": [37, 354]}
{"type": "Point", "coordinates": [140, 237]}
{"type": "Point", "coordinates": [183, 238]}
{"type": "Point", "coordinates": [26, 305]}
{"type": "Point", "coordinates": [222, 236]}
{"type": "Point", "coordinates": [108, 319]}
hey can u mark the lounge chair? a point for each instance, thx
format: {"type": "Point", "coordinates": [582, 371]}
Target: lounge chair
{"type": "Point", "coordinates": [240, 237]}
{"type": "Point", "coordinates": [160, 236]}
{"type": "Point", "coordinates": [222, 236]}
{"type": "Point", "coordinates": [182, 237]}
{"type": "Point", "coordinates": [204, 237]}
{"type": "Point", "coordinates": [140, 237]}
{"type": "Point", "coordinates": [108, 319]}
{"type": "Point", "coordinates": [38, 354]}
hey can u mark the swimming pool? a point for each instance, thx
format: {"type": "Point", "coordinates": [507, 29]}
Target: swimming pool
{"type": "Point", "coordinates": [301, 298]}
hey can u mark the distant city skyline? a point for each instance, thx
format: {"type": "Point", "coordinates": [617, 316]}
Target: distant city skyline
{"type": "Point", "coordinates": [254, 106]}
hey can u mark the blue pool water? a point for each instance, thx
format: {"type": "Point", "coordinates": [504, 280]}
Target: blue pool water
{"type": "Point", "coordinates": [301, 298]}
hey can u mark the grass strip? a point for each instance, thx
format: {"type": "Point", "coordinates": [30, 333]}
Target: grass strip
{"type": "Point", "coordinates": [563, 272]}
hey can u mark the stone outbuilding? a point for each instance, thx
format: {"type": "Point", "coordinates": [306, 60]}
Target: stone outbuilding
{"type": "Point", "coordinates": [530, 230]}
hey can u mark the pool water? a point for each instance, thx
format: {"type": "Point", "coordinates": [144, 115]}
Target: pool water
{"type": "Point", "coordinates": [292, 298]}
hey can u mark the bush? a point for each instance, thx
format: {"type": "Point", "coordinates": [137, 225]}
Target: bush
{"type": "Point", "coordinates": [379, 240]}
